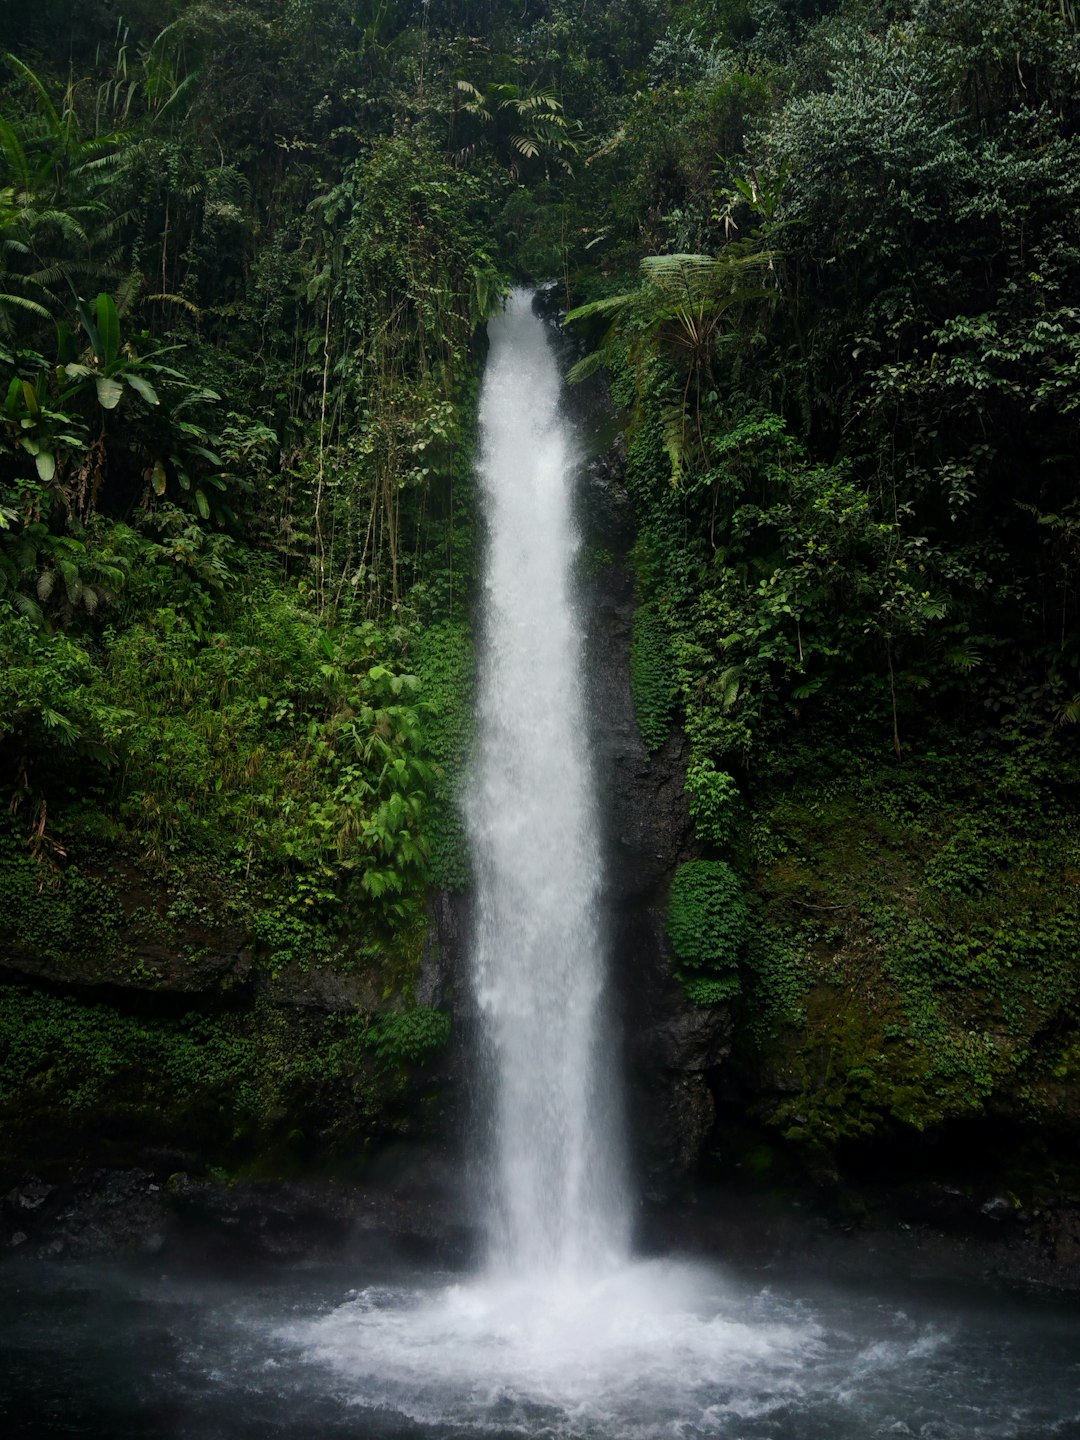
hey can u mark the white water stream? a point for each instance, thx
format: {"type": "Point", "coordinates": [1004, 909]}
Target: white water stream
{"type": "Point", "coordinates": [557, 1189]}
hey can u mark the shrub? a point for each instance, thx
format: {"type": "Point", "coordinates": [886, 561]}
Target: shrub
{"type": "Point", "coordinates": [713, 794]}
{"type": "Point", "coordinates": [708, 923]}
{"type": "Point", "coordinates": [652, 680]}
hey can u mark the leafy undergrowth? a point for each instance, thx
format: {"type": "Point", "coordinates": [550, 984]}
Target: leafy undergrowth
{"type": "Point", "coordinates": [218, 801]}
{"type": "Point", "coordinates": [256, 1087]}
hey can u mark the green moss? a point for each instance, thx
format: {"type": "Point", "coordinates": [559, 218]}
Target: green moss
{"type": "Point", "coordinates": [932, 909]}
{"type": "Point", "coordinates": [651, 676]}
{"type": "Point", "coordinates": [708, 923]}
{"type": "Point", "coordinates": [408, 1037]}
{"type": "Point", "coordinates": [445, 663]}
{"type": "Point", "coordinates": [287, 939]}
{"type": "Point", "coordinates": [594, 560]}
{"type": "Point", "coordinates": [231, 1086]}
{"type": "Point", "coordinates": [850, 1074]}
{"type": "Point", "coordinates": [59, 916]}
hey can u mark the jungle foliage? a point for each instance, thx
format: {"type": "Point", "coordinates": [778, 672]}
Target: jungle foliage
{"type": "Point", "coordinates": [832, 278]}
{"type": "Point", "coordinates": [246, 253]}
{"type": "Point", "coordinates": [825, 253]}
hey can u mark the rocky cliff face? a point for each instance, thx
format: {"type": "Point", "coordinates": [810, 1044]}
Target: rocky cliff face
{"type": "Point", "coordinates": [670, 1047]}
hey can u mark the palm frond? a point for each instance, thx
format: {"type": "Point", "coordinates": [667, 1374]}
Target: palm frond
{"type": "Point", "coordinates": [24, 605]}
{"type": "Point", "coordinates": [23, 302]}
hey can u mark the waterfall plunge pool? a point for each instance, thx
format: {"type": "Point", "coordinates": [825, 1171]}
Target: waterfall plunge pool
{"type": "Point", "coordinates": [656, 1348]}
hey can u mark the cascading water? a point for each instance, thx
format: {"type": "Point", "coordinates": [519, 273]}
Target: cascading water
{"type": "Point", "coordinates": [556, 1188]}
{"type": "Point", "coordinates": [564, 1333]}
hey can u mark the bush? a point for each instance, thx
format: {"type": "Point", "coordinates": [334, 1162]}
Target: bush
{"type": "Point", "coordinates": [713, 794]}
{"type": "Point", "coordinates": [652, 679]}
{"type": "Point", "coordinates": [708, 923]}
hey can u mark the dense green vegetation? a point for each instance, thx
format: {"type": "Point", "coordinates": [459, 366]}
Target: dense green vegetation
{"type": "Point", "coordinates": [849, 357]}
{"type": "Point", "coordinates": [241, 275]}
{"type": "Point", "coordinates": [201, 1087]}
{"type": "Point", "coordinates": [824, 252]}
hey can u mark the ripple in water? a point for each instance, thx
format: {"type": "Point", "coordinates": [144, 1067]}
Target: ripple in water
{"type": "Point", "coordinates": [656, 1350]}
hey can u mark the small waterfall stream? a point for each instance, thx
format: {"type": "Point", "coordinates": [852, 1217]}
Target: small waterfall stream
{"type": "Point", "coordinates": [556, 1191]}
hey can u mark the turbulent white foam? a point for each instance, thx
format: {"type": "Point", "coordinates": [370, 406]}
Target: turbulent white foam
{"type": "Point", "coordinates": [556, 1189]}
{"type": "Point", "coordinates": [644, 1348]}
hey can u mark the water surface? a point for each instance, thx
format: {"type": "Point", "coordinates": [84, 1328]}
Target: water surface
{"type": "Point", "coordinates": [661, 1348]}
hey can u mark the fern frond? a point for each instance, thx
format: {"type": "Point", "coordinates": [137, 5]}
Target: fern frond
{"type": "Point", "coordinates": [610, 305]}
{"type": "Point", "coordinates": [22, 302]}
{"type": "Point", "coordinates": [165, 298]}
{"type": "Point", "coordinates": [29, 608]}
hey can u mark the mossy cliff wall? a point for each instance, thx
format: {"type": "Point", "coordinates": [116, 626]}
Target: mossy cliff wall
{"type": "Point", "coordinates": [140, 1025]}
{"type": "Point", "coordinates": [880, 954]}
{"type": "Point", "coordinates": [209, 954]}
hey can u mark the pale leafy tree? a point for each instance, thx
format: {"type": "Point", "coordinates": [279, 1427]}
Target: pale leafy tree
{"type": "Point", "coordinates": [683, 311]}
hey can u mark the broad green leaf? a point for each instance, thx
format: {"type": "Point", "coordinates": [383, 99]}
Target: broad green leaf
{"type": "Point", "coordinates": [202, 504]}
{"type": "Point", "coordinates": [143, 387]}
{"type": "Point", "coordinates": [86, 320]}
{"type": "Point", "coordinates": [109, 329]}
{"type": "Point", "coordinates": [46, 465]}
{"type": "Point", "coordinates": [108, 392]}
{"type": "Point", "coordinates": [205, 454]}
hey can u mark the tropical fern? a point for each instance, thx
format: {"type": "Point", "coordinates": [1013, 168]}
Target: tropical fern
{"type": "Point", "coordinates": [681, 313]}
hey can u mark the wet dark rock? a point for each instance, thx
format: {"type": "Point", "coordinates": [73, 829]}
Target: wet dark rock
{"type": "Point", "coordinates": [945, 1206]}
{"type": "Point", "coordinates": [152, 951]}
{"type": "Point", "coordinates": [445, 951]}
{"type": "Point", "coordinates": [323, 989]}
{"type": "Point", "coordinates": [693, 1039]}
{"type": "Point", "coordinates": [30, 1196]}
{"type": "Point", "coordinates": [756, 1226]}
{"type": "Point", "coordinates": [415, 1207]}
{"type": "Point", "coordinates": [998, 1207]}
{"type": "Point", "coordinates": [414, 1210]}
{"type": "Point", "coordinates": [669, 1045]}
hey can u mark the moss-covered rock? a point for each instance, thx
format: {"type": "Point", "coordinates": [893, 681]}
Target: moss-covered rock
{"type": "Point", "coordinates": [931, 918]}
{"type": "Point", "coordinates": [259, 1086]}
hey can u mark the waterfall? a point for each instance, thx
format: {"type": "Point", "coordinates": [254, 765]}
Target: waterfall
{"type": "Point", "coordinates": [555, 1183]}
{"type": "Point", "coordinates": [564, 1332]}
